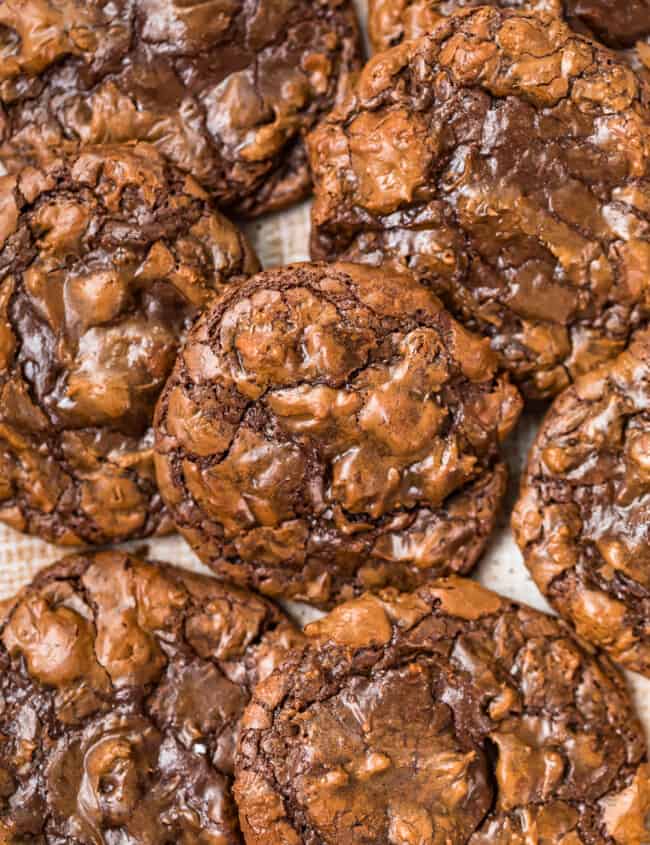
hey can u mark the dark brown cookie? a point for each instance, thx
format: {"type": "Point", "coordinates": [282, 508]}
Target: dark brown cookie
{"type": "Point", "coordinates": [506, 161]}
{"type": "Point", "coordinates": [619, 25]}
{"type": "Point", "coordinates": [331, 428]}
{"type": "Point", "coordinates": [623, 26]}
{"type": "Point", "coordinates": [224, 88]}
{"type": "Point", "coordinates": [583, 517]}
{"type": "Point", "coordinates": [449, 716]}
{"type": "Point", "coordinates": [392, 21]}
{"type": "Point", "coordinates": [105, 259]}
{"type": "Point", "coordinates": [122, 684]}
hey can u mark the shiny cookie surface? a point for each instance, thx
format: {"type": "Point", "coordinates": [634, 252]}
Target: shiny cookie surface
{"type": "Point", "coordinates": [504, 159]}
{"type": "Point", "coordinates": [583, 516]}
{"type": "Point", "coordinates": [122, 684]}
{"type": "Point", "coordinates": [450, 716]}
{"type": "Point", "coordinates": [105, 260]}
{"type": "Point", "coordinates": [224, 88]}
{"type": "Point", "coordinates": [331, 428]}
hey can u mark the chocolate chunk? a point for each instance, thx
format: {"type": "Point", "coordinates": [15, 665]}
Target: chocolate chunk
{"type": "Point", "coordinates": [504, 159]}
{"type": "Point", "coordinates": [122, 686]}
{"type": "Point", "coordinates": [449, 715]}
{"type": "Point", "coordinates": [583, 517]}
{"type": "Point", "coordinates": [224, 88]}
{"type": "Point", "coordinates": [331, 428]}
{"type": "Point", "coordinates": [105, 260]}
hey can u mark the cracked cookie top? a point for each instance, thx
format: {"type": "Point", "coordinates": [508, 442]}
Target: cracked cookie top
{"type": "Point", "coordinates": [393, 21]}
{"type": "Point", "coordinates": [624, 27]}
{"type": "Point", "coordinates": [505, 160]}
{"type": "Point", "coordinates": [224, 88]}
{"type": "Point", "coordinates": [583, 517]}
{"type": "Point", "coordinates": [449, 715]}
{"type": "Point", "coordinates": [122, 685]}
{"type": "Point", "coordinates": [331, 428]}
{"type": "Point", "coordinates": [105, 260]}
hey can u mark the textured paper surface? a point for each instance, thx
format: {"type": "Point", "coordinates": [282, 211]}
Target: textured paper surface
{"type": "Point", "coordinates": [280, 239]}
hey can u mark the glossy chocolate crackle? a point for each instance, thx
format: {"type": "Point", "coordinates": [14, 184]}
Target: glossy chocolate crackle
{"type": "Point", "coordinates": [122, 685]}
{"type": "Point", "coordinates": [583, 517]}
{"type": "Point", "coordinates": [506, 161]}
{"type": "Point", "coordinates": [105, 259]}
{"type": "Point", "coordinates": [224, 88]}
{"type": "Point", "coordinates": [620, 24]}
{"type": "Point", "coordinates": [329, 429]}
{"type": "Point", "coordinates": [443, 717]}
{"type": "Point", "coordinates": [392, 21]}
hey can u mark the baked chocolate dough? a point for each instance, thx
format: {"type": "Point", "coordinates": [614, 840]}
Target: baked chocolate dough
{"type": "Point", "coordinates": [225, 89]}
{"type": "Point", "coordinates": [449, 716]}
{"type": "Point", "coordinates": [505, 160]}
{"type": "Point", "coordinates": [122, 685]}
{"type": "Point", "coordinates": [623, 25]}
{"type": "Point", "coordinates": [331, 428]}
{"type": "Point", "coordinates": [583, 517]}
{"type": "Point", "coordinates": [105, 260]}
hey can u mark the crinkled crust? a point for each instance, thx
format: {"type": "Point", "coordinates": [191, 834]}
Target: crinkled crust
{"type": "Point", "coordinates": [505, 160]}
{"type": "Point", "coordinates": [623, 26]}
{"type": "Point", "coordinates": [105, 260]}
{"type": "Point", "coordinates": [224, 88]}
{"type": "Point", "coordinates": [450, 716]}
{"type": "Point", "coordinates": [392, 21]}
{"type": "Point", "coordinates": [583, 517]}
{"type": "Point", "coordinates": [122, 685]}
{"type": "Point", "coordinates": [329, 429]}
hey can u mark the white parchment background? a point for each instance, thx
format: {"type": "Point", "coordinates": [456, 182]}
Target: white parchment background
{"type": "Point", "coordinates": [280, 239]}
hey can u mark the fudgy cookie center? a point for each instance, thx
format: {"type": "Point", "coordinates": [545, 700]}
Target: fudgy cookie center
{"type": "Point", "coordinates": [356, 762]}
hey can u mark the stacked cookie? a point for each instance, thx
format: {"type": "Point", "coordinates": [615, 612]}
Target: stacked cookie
{"type": "Point", "coordinates": [330, 431]}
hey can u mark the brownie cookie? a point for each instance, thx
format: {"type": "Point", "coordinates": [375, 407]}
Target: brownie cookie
{"type": "Point", "coordinates": [224, 88]}
{"type": "Point", "coordinates": [506, 161]}
{"type": "Point", "coordinates": [392, 21]}
{"type": "Point", "coordinates": [620, 25]}
{"type": "Point", "coordinates": [583, 518]}
{"type": "Point", "coordinates": [445, 717]}
{"type": "Point", "coordinates": [329, 429]}
{"type": "Point", "coordinates": [105, 259]}
{"type": "Point", "coordinates": [122, 685]}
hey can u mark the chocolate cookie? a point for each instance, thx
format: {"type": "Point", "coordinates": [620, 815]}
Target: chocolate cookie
{"type": "Point", "coordinates": [621, 26]}
{"type": "Point", "coordinates": [392, 21]}
{"type": "Point", "coordinates": [624, 27]}
{"type": "Point", "coordinates": [583, 518]}
{"type": "Point", "coordinates": [329, 429]}
{"type": "Point", "coordinates": [446, 716]}
{"type": "Point", "coordinates": [122, 685]}
{"type": "Point", "coordinates": [506, 161]}
{"type": "Point", "coordinates": [105, 259]}
{"type": "Point", "coordinates": [225, 90]}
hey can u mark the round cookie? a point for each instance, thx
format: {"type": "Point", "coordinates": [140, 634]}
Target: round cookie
{"type": "Point", "coordinates": [122, 684]}
{"type": "Point", "coordinates": [331, 428]}
{"type": "Point", "coordinates": [105, 259]}
{"type": "Point", "coordinates": [447, 716]}
{"type": "Point", "coordinates": [506, 161]}
{"type": "Point", "coordinates": [583, 517]}
{"type": "Point", "coordinates": [225, 90]}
